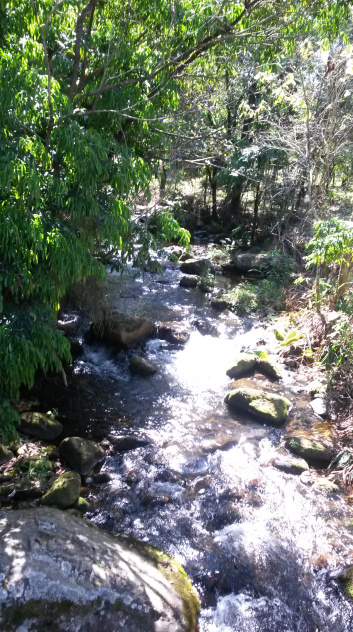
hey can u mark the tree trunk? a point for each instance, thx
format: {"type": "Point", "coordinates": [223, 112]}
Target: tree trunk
{"type": "Point", "coordinates": [256, 212]}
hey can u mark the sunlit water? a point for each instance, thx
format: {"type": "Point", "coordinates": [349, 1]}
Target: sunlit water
{"type": "Point", "coordinates": [261, 547]}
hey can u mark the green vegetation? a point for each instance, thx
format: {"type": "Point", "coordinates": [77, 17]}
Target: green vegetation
{"type": "Point", "coordinates": [97, 97]}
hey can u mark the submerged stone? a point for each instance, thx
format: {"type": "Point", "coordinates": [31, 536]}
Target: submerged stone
{"type": "Point", "coordinates": [311, 450]}
{"type": "Point", "coordinates": [175, 333]}
{"type": "Point", "coordinates": [64, 492]}
{"type": "Point", "coordinates": [140, 366]}
{"type": "Point", "coordinates": [40, 426]}
{"type": "Point", "coordinates": [269, 407]}
{"type": "Point", "coordinates": [81, 454]}
{"type": "Point", "coordinates": [75, 576]}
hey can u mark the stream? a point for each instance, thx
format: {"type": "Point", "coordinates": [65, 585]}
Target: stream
{"type": "Point", "coordinates": [261, 547]}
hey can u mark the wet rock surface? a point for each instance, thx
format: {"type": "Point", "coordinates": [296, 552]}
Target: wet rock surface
{"type": "Point", "coordinates": [312, 450]}
{"type": "Point", "coordinates": [81, 454]}
{"type": "Point", "coordinates": [123, 330]}
{"type": "Point", "coordinates": [269, 407]}
{"type": "Point", "coordinates": [141, 366]}
{"type": "Point", "coordinates": [73, 576]}
{"type": "Point", "coordinates": [64, 492]}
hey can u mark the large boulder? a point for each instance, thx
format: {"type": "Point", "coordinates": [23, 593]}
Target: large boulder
{"type": "Point", "coordinates": [81, 454]}
{"type": "Point", "coordinates": [123, 330]}
{"type": "Point", "coordinates": [40, 426]}
{"type": "Point", "coordinates": [64, 492]}
{"type": "Point", "coordinates": [249, 261]}
{"type": "Point", "coordinates": [269, 407]}
{"type": "Point", "coordinates": [64, 574]}
{"type": "Point", "coordinates": [141, 366]}
{"type": "Point", "coordinates": [312, 450]}
{"type": "Point", "coordinates": [198, 267]}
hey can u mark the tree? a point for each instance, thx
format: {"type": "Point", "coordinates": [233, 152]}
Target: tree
{"type": "Point", "coordinates": [81, 85]}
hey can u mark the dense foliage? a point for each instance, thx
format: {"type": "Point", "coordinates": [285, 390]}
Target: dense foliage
{"type": "Point", "coordinates": [87, 92]}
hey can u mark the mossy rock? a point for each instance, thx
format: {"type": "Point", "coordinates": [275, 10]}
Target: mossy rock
{"type": "Point", "coordinates": [40, 426]}
{"type": "Point", "coordinates": [242, 364]}
{"type": "Point", "coordinates": [269, 407]}
{"type": "Point", "coordinates": [64, 492]}
{"type": "Point", "coordinates": [312, 450]}
{"type": "Point", "coordinates": [198, 267]}
{"type": "Point", "coordinates": [81, 454]}
{"type": "Point", "coordinates": [268, 367]}
{"type": "Point", "coordinates": [189, 280]}
{"type": "Point", "coordinates": [82, 505]}
{"type": "Point", "coordinates": [140, 366]}
{"type": "Point", "coordinates": [326, 486]}
{"type": "Point", "coordinates": [290, 464]}
{"type": "Point", "coordinates": [346, 581]}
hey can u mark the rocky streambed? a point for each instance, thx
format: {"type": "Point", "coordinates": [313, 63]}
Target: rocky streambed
{"type": "Point", "coordinates": [206, 447]}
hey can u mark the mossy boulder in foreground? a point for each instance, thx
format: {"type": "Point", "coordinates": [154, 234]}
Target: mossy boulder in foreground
{"type": "Point", "coordinates": [269, 407]}
{"type": "Point", "coordinates": [74, 576]}
{"type": "Point", "coordinates": [64, 492]}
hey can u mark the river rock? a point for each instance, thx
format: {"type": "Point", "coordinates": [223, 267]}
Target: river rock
{"type": "Point", "coordinates": [268, 367]}
{"type": "Point", "coordinates": [189, 280]}
{"type": "Point", "coordinates": [290, 464]}
{"type": "Point", "coordinates": [81, 454]}
{"type": "Point", "coordinates": [40, 426]}
{"type": "Point", "coordinates": [312, 450]}
{"type": "Point", "coordinates": [175, 333]}
{"type": "Point", "coordinates": [325, 485]}
{"type": "Point", "coordinates": [140, 366]}
{"type": "Point", "coordinates": [205, 328]}
{"type": "Point", "coordinates": [62, 573]}
{"type": "Point", "coordinates": [123, 330]}
{"type": "Point", "coordinates": [319, 406]}
{"type": "Point", "coordinates": [197, 266]}
{"type": "Point", "coordinates": [64, 492]}
{"type": "Point", "coordinates": [242, 364]}
{"type": "Point", "coordinates": [125, 443]}
{"type": "Point", "coordinates": [252, 261]}
{"type": "Point", "coordinates": [269, 407]}
{"type": "Point", "coordinates": [5, 454]}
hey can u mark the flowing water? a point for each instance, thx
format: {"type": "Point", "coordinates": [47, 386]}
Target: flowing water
{"type": "Point", "coordinates": [261, 547]}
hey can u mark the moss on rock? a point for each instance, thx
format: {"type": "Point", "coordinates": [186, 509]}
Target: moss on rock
{"type": "Point", "coordinates": [64, 492]}
{"type": "Point", "coordinates": [269, 407]}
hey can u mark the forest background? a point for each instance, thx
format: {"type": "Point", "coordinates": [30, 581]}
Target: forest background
{"type": "Point", "coordinates": [241, 110]}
